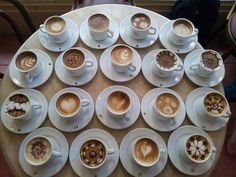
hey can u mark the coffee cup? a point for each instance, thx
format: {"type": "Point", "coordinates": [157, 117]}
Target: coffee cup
{"type": "Point", "coordinates": [99, 27]}
{"type": "Point", "coordinates": [181, 30]}
{"type": "Point", "coordinates": [39, 150]}
{"type": "Point", "coordinates": [94, 153]}
{"type": "Point", "coordinates": [21, 107]}
{"type": "Point", "coordinates": [69, 105]}
{"type": "Point", "coordinates": [75, 62]}
{"type": "Point", "coordinates": [121, 58]}
{"type": "Point", "coordinates": [209, 61]}
{"type": "Point", "coordinates": [141, 26]}
{"type": "Point", "coordinates": [165, 62]}
{"type": "Point", "coordinates": [28, 65]}
{"type": "Point", "coordinates": [195, 148]}
{"type": "Point", "coordinates": [146, 152]}
{"type": "Point", "coordinates": [56, 29]}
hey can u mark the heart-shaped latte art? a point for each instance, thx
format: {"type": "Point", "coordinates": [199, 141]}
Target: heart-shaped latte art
{"type": "Point", "coordinates": [68, 105]}
{"type": "Point", "coordinates": [145, 149]}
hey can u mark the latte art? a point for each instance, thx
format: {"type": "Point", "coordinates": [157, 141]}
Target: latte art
{"type": "Point", "coordinates": [55, 25]}
{"type": "Point", "coordinates": [182, 27]}
{"type": "Point", "coordinates": [122, 54]}
{"type": "Point", "coordinates": [215, 103]}
{"type": "Point", "coordinates": [118, 101]}
{"type": "Point", "coordinates": [26, 61]}
{"type": "Point", "coordinates": [141, 21]}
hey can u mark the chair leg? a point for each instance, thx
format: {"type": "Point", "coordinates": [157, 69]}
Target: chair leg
{"type": "Point", "coordinates": [1, 75]}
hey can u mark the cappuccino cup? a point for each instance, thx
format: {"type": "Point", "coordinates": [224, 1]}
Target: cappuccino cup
{"type": "Point", "coordinates": [210, 61]}
{"type": "Point", "coordinates": [141, 26]}
{"type": "Point", "coordinates": [28, 65]}
{"type": "Point", "coordinates": [94, 153]}
{"type": "Point", "coordinates": [181, 31]}
{"type": "Point", "coordinates": [146, 152]}
{"type": "Point", "coordinates": [165, 62]}
{"type": "Point", "coordinates": [56, 29]}
{"type": "Point", "coordinates": [99, 27]}
{"type": "Point", "coordinates": [69, 105]}
{"type": "Point", "coordinates": [75, 62]}
{"type": "Point", "coordinates": [21, 107]}
{"type": "Point", "coordinates": [39, 150]}
{"type": "Point", "coordinates": [121, 58]}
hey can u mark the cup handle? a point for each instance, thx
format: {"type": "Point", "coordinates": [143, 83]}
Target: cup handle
{"type": "Point", "coordinates": [36, 105]}
{"type": "Point", "coordinates": [179, 67]}
{"type": "Point", "coordinates": [162, 151]}
{"type": "Point", "coordinates": [56, 154]}
{"type": "Point", "coordinates": [227, 115]}
{"type": "Point", "coordinates": [42, 29]}
{"type": "Point", "coordinates": [127, 117]}
{"type": "Point", "coordinates": [213, 149]}
{"type": "Point", "coordinates": [195, 32]}
{"type": "Point", "coordinates": [85, 102]}
{"type": "Point", "coordinates": [152, 31]}
{"type": "Point", "coordinates": [110, 33]}
{"type": "Point", "coordinates": [28, 77]}
{"type": "Point", "coordinates": [172, 121]}
{"type": "Point", "coordinates": [193, 67]}
{"type": "Point", "coordinates": [110, 151]}
{"type": "Point", "coordinates": [89, 64]}
{"type": "Point", "coordinates": [132, 68]}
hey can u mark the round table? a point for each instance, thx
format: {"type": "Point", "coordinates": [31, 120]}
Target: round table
{"type": "Point", "coordinates": [10, 142]}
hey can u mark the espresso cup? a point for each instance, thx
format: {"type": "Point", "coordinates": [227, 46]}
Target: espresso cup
{"type": "Point", "coordinates": [209, 61]}
{"type": "Point", "coordinates": [99, 27]}
{"type": "Point", "coordinates": [75, 62]}
{"type": "Point", "coordinates": [181, 31]}
{"type": "Point", "coordinates": [121, 58]}
{"type": "Point", "coordinates": [39, 150]}
{"type": "Point", "coordinates": [146, 152]}
{"type": "Point", "coordinates": [56, 29]}
{"type": "Point", "coordinates": [94, 153]}
{"type": "Point", "coordinates": [21, 107]}
{"type": "Point", "coordinates": [69, 105]}
{"type": "Point", "coordinates": [28, 65]}
{"type": "Point", "coordinates": [141, 26]}
{"type": "Point", "coordinates": [165, 62]}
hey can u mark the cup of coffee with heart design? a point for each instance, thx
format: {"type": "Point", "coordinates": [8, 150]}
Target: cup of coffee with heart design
{"type": "Point", "coordinates": [146, 151]}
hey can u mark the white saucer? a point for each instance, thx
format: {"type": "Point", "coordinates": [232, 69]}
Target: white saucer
{"type": "Point", "coordinates": [189, 46]}
{"type": "Point", "coordinates": [22, 127]}
{"type": "Point", "coordinates": [72, 39]}
{"type": "Point", "coordinates": [112, 160]}
{"type": "Point", "coordinates": [211, 81]}
{"type": "Point", "coordinates": [126, 157]}
{"type": "Point", "coordinates": [194, 116]}
{"type": "Point", "coordinates": [126, 37]}
{"type": "Point", "coordinates": [89, 41]}
{"type": "Point", "coordinates": [182, 165]}
{"type": "Point", "coordinates": [149, 116]}
{"type": "Point", "coordinates": [147, 64]}
{"type": "Point", "coordinates": [78, 123]}
{"type": "Point", "coordinates": [112, 122]}
{"type": "Point", "coordinates": [109, 71]}
{"type": "Point", "coordinates": [47, 67]}
{"type": "Point", "coordinates": [66, 78]}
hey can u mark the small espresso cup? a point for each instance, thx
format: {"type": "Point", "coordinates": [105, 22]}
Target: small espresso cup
{"type": "Point", "coordinates": [209, 61]}
{"type": "Point", "coordinates": [121, 58]}
{"type": "Point", "coordinates": [141, 26]}
{"type": "Point", "coordinates": [69, 105]}
{"type": "Point", "coordinates": [162, 68]}
{"type": "Point", "coordinates": [56, 29]}
{"type": "Point", "coordinates": [41, 143]}
{"type": "Point", "coordinates": [28, 65]}
{"type": "Point", "coordinates": [146, 151]}
{"type": "Point", "coordinates": [75, 62]}
{"type": "Point", "coordinates": [195, 148]}
{"type": "Point", "coordinates": [181, 30]}
{"type": "Point", "coordinates": [99, 27]}
{"type": "Point", "coordinates": [21, 107]}
{"type": "Point", "coordinates": [92, 146]}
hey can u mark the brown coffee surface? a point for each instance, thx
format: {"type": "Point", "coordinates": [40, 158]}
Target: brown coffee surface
{"type": "Point", "coordinates": [210, 60]}
{"type": "Point", "coordinates": [215, 103]}
{"type": "Point", "coordinates": [118, 101]}
{"type": "Point", "coordinates": [146, 151]}
{"type": "Point", "coordinates": [93, 153]}
{"type": "Point", "coordinates": [141, 21]}
{"type": "Point", "coordinates": [38, 150]}
{"type": "Point", "coordinates": [182, 27]}
{"type": "Point", "coordinates": [197, 147]}
{"type": "Point", "coordinates": [55, 25]}
{"type": "Point", "coordinates": [26, 61]}
{"type": "Point", "coordinates": [68, 103]}
{"type": "Point", "coordinates": [73, 58]}
{"type": "Point", "coordinates": [166, 59]}
{"type": "Point", "coordinates": [98, 22]}
{"type": "Point", "coordinates": [17, 105]}
{"type": "Point", "coordinates": [122, 54]}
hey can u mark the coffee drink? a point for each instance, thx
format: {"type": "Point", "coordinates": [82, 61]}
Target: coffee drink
{"type": "Point", "coordinates": [73, 58]}
{"type": "Point", "coordinates": [68, 104]}
{"type": "Point", "coordinates": [197, 148]}
{"type": "Point", "coordinates": [118, 101]}
{"type": "Point", "coordinates": [98, 22]}
{"type": "Point", "coordinates": [122, 55]}
{"type": "Point", "coordinates": [55, 25]}
{"type": "Point", "coordinates": [210, 59]}
{"type": "Point", "coordinates": [38, 150]}
{"type": "Point", "coordinates": [167, 103]}
{"type": "Point", "coordinates": [93, 153]}
{"type": "Point", "coordinates": [166, 59]}
{"type": "Point", "coordinates": [26, 60]}
{"type": "Point", "coordinates": [183, 27]}
{"type": "Point", "coordinates": [141, 21]}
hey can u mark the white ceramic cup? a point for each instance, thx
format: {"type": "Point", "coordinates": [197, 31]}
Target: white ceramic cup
{"type": "Point", "coordinates": [55, 37]}
{"type": "Point", "coordinates": [180, 39]}
{"type": "Point", "coordinates": [54, 153]}
{"type": "Point", "coordinates": [166, 72]}
{"type": "Point", "coordinates": [201, 69]}
{"type": "Point", "coordinates": [137, 33]}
